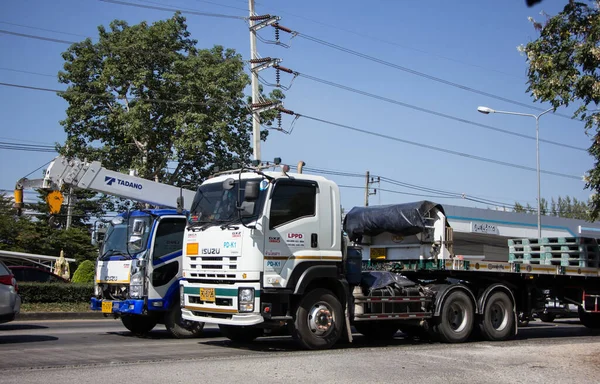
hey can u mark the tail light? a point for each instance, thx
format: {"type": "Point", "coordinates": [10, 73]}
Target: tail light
{"type": "Point", "coordinates": [9, 280]}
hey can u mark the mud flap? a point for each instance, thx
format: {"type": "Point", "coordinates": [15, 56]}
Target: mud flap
{"type": "Point", "coordinates": [348, 327]}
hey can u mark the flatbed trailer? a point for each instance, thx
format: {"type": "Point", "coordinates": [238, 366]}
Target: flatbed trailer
{"type": "Point", "coordinates": [289, 261]}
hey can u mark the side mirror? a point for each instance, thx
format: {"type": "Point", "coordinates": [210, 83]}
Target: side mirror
{"type": "Point", "coordinates": [247, 209]}
{"type": "Point", "coordinates": [138, 227]}
{"type": "Point", "coordinates": [228, 184]}
{"type": "Point", "coordinates": [180, 205]}
{"type": "Point", "coordinates": [251, 191]}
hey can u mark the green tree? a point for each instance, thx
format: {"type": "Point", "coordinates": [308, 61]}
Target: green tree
{"type": "Point", "coordinates": [519, 208]}
{"type": "Point", "coordinates": [144, 97]}
{"type": "Point", "coordinates": [564, 64]}
{"type": "Point", "coordinates": [84, 273]}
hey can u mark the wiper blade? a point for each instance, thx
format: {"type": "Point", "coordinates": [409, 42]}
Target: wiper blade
{"type": "Point", "coordinates": [114, 251]}
{"type": "Point", "coordinates": [229, 224]}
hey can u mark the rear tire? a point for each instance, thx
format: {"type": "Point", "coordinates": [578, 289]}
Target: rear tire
{"type": "Point", "coordinates": [455, 323]}
{"type": "Point", "coordinates": [377, 330]}
{"type": "Point", "coordinates": [590, 320]}
{"type": "Point", "coordinates": [240, 334]}
{"type": "Point", "coordinates": [547, 317]}
{"type": "Point", "coordinates": [180, 328]}
{"type": "Point", "coordinates": [139, 325]}
{"type": "Point", "coordinates": [319, 320]}
{"type": "Point", "coordinates": [498, 319]}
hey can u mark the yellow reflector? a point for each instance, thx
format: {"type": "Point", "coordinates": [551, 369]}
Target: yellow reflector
{"type": "Point", "coordinates": [18, 196]}
{"type": "Point", "coordinates": [191, 249]}
{"type": "Point", "coordinates": [378, 253]}
{"type": "Point", "coordinates": [54, 200]}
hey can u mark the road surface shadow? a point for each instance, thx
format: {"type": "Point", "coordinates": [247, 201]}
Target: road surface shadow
{"type": "Point", "coordinates": [16, 327]}
{"type": "Point", "coordinates": [532, 332]}
{"type": "Point", "coordinates": [19, 339]}
{"type": "Point", "coordinates": [165, 335]}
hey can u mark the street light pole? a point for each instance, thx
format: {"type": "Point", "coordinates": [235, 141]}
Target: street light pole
{"type": "Point", "coordinates": [486, 110]}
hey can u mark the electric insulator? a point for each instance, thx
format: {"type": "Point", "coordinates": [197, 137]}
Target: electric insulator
{"type": "Point", "coordinates": [277, 76]}
{"type": "Point", "coordinates": [279, 119]}
{"type": "Point", "coordinates": [276, 34]}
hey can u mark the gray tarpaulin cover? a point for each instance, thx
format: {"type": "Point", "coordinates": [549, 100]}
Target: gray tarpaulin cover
{"type": "Point", "coordinates": [381, 279]}
{"type": "Point", "coordinates": [399, 219]}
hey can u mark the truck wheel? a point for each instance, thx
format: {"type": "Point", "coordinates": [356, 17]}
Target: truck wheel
{"type": "Point", "coordinates": [319, 320]}
{"type": "Point", "coordinates": [139, 325]}
{"type": "Point", "coordinates": [377, 330]}
{"type": "Point", "coordinates": [498, 317]}
{"type": "Point", "coordinates": [589, 320]}
{"type": "Point", "coordinates": [547, 317]}
{"type": "Point", "coordinates": [240, 334]}
{"type": "Point", "coordinates": [455, 322]}
{"type": "Point", "coordinates": [180, 328]}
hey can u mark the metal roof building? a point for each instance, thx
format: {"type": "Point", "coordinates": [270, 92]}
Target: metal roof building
{"type": "Point", "coordinates": [486, 232]}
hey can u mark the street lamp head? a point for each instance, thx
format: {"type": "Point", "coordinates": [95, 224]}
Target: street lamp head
{"type": "Point", "coordinates": [485, 110]}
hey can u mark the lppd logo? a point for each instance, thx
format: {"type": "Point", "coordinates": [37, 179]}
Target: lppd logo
{"type": "Point", "coordinates": [109, 180]}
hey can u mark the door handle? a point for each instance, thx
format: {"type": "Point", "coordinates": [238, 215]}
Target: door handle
{"type": "Point", "coordinates": [313, 240]}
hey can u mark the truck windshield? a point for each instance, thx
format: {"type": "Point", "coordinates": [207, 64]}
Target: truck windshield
{"type": "Point", "coordinates": [115, 241]}
{"type": "Point", "coordinates": [213, 204]}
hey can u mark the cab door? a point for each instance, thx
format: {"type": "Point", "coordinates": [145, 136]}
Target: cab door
{"type": "Point", "coordinates": [164, 261]}
{"type": "Point", "coordinates": [292, 225]}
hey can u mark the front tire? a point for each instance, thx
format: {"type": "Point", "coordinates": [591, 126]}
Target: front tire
{"type": "Point", "coordinates": [139, 325]}
{"type": "Point", "coordinates": [180, 328]}
{"type": "Point", "coordinates": [240, 334]}
{"type": "Point", "coordinates": [319, 320]}
{"type": "Point", "coordinates": [498, 317]}
{"type": "Point", "coordinates": [455, 322]}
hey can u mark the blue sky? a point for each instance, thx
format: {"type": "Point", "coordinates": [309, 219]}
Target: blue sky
{"type": "Point", "coordinates": [473, 44]}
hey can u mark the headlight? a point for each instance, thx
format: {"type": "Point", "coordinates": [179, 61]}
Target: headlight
{"type": "Point", "coordinates": [136, 285]}
{"type": "Point", "coordinates": [181, 297]}
{"type": "Point", "coordinates": [246, 299]}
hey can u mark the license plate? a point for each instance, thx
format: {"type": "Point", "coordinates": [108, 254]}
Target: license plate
{"type": "Point", "coordinates": [107, 306]}
{"type": "Point", "coordinates": [378, 253]}
{"type": "Point", "coordinates": [207, 294]}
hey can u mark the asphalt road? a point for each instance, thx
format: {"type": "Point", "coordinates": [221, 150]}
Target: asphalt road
{"type": "Point", "coordinates": [101, 351]}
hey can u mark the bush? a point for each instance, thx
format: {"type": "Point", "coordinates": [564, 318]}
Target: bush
{"type": "Point", "coordinates": [56, 292]}
{"type": "Point", "coordinates": [85, 272]}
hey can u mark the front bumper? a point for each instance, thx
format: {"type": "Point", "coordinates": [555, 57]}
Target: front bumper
{"type": "Point", "coordinates": [122, 307]}
{"type": "Point", "coordinates": [224, 310]}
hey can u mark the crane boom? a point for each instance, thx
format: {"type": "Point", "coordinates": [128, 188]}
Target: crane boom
{"type": "Point", "coordinates": [76, 173]}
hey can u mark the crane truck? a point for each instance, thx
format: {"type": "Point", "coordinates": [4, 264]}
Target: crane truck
{"type": "Point", "coordinates": [268, 249]}
{"type": "Point", "coordinates": [139, 263]}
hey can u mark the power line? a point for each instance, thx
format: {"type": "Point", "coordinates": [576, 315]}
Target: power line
{"type": "Point", "coordinates": [27, 72]}
{"type": "Point", "coordinates": [420, 74]}
{"type": "Point", "coordinates": [42, 29]}
{"type": "Point", "coordinates": [220, 15]}
{"type": "Point", "coordinates": [462, 154]}
{"type": "Point", "coordinates": [432, 112]}
{"type": "Point", "coordinates": [36, 37]}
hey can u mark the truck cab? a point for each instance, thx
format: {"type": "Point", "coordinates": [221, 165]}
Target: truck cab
{"type": "Point", "coordinates": [234, 264]}
{"type": "Point", "coordinates": [138, 271]}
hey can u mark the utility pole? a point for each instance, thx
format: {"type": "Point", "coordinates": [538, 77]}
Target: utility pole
{"type": "Point", "coordinates": [70, 208]}
{"type": "Point", "coordinates": [367, 189]}
{"type": "Point", "coordinates": [254, 83]}
{"type": "Point", "coordinates": [368, 181]}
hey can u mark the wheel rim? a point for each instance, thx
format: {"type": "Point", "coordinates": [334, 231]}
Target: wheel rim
{"type": "Point", "coordinates": [321, 319]}
{"type": "Point", "coordinates": [498, 315]}
{"type": "Point", "coordinates": [457, 317]}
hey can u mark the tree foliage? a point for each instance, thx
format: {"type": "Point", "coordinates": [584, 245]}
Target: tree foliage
{"type": "Point", "coordinates": [24, 234]}
{"type": "Point", "coordinates": [144, 97]}
{"type": "Point", "coordinates": [564, 68]}
{"type": "Point", "coordinates": [84, 273]}
{"type": "Point", "coordinates": [566, 207]}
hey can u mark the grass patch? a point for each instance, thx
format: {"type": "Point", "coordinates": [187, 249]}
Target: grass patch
{"type": "Point", "coordinates": [55, 307]}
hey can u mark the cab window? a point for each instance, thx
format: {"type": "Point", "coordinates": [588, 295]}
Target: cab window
{"type": "Point", "coordinates": [291, 202]}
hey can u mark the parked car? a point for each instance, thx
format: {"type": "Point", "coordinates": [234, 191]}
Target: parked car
{"type": "Point", "coordinates": [34, 274]}
{"type": "Point", "coordinates": [10, 300]}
